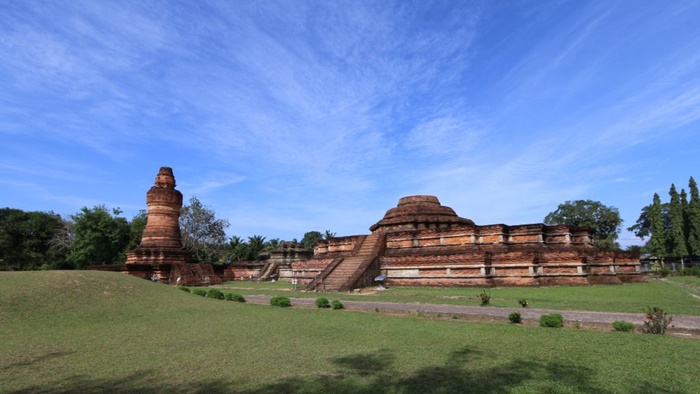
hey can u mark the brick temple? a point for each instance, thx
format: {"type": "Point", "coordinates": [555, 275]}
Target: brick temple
{"type": "Point", "coordinates": [160, 254]}
{"type": "Point", "coordinates": [421, 242]}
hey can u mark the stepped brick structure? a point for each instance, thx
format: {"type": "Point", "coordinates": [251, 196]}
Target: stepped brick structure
{"type": "Point", "coordinates": [160, 255]}
{"type": "Point", "coordinates": [421, 242]}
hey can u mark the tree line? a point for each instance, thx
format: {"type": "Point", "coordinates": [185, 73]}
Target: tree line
{"type": "Point", "coordinates": [672, 229]}
{"type": "Point", "coordinates": [101, 236]}
{"type": "Point", "coordinates": [98, 235]}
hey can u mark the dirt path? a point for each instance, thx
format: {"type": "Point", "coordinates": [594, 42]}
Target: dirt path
{"type": "Point", "coordinates": [681, 323]}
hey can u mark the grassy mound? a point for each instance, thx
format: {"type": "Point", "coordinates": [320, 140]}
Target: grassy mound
{"type": "Point", "coordinates": [107, 332]}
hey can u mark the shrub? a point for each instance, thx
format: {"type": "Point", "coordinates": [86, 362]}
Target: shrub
{"type": "Point", "coordinates": [665, 271]}
{"type": "Point", "coordinates": [337, 304]}
{"type": "Point", "coordinates": [185, 289]}
{"type": "Point", "coordinates": [485, 298]}
{"type": "Point", "coordinates": [623, 326]}
{"type": "Point", "coordinates": [523, 302]}
{"type": "Point", "coordinates": [515, 318]}
{"type": "Point", "coordinates": [199, 292]}
{"type": "Point", "coordinates": [554, 320]}
{"type": "Point", "coordinates": [215, 294]}
{"type": "Point", "coordinates": [234, 297]}
{"type": "Point", "coordinates": [280, 301]}
{"type": "Point", "coordinates": [692, 271]}
{"type": "Point", "coordinates": [656, 321]}
{"type": "Point", "coordinates": [322, 302]}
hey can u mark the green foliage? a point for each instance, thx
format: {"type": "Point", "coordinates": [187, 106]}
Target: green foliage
{"type": "Point", "coordinates": [100, 237]}
{"type": "Point", "coordinates": [234, 297]}
{"type": "Point", "coordinates": [677, 246]}
{"type": "Point", "coordinates": [515, 318]}
{"type": "Point", "coordinates": [280, 301]}
{"type": "Point", "coordinates": [310, 238]}
{"type": "Point", "coordinates": [691, 271]}
{"type": "Point", "coordinates": [664, 272]}
{"type": "Point", "coordinates": [605, 221]}
{"type": "Point", "coordinates": [328, 235]}
{"type": "Point", "coordinates": [337, 305]}
{"type": "Point", "coordinates": [199, 292]}
{"type": "Point", "coordinates": [216, 294]}
{"type": "Point", "coordinates": [693, 219]}
{"type": "Point", "coordinates": [523, 302]}
{"type": "Point", "coordinates": [657, 321]}
{"type": "Point", "coordinates": [185, 289]}
{"type": "Point", "coordinates": [554, 320]}
{"type": "Point", "coordinates": [322, 302]}
{"type": "Point", "coordinates": [136, 227]}
{"type": "Point", "coordinates": [202, 233]}
{"type": "Point", "coordinates": [657, 242]}
{"type": "Point", "coordinates": [623, 326]}
{"type": "Point", "coordinates": [26, 239]}
{"type": "Point", "coordinates": [485, 298]}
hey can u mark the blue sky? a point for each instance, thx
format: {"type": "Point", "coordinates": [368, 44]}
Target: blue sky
{"type": "Point", "coordinates": [290, 116]}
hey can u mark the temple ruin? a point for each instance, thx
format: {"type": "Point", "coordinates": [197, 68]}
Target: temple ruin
{"type": "Point", "coordinates": [421, 242]}
{"type": "Point", "coordinates": [160, 255]}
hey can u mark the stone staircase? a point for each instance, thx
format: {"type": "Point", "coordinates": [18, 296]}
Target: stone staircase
{"type": "Point", "coordinates": [348, 270]}
{"type": "Point", "coordinates": [269, 269]}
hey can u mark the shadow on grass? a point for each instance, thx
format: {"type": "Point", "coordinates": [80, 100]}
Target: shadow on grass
{"type": "Point", "coordinates": [465, 370]}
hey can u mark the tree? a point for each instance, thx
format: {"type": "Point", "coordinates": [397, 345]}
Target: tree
{"type": "Point", "coordinates": [676, 234]}
{"type": "Point", "coordinates": [100, 237]}
{"type": "Point", "coordinates": [136, 227]}
{"type": "Point", "coordinates": [605, 221]}
{"type": "Point", "coordinates": [657, 242]}
{"type": "Point", "coordinates": [25, 239]}
{"type": "Point", "coordinates": [310, 238]}
{"type": "Point", "coordinates": [202, 233]}
{"type": "Point", "coordinates": [693, 219]}
{"type": "Point", "coordinates": [256, 244]}
{"type": "Point", "coordinates": [328, 235]}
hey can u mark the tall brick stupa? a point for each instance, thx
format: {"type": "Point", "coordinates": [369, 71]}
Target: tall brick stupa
{"type": "Point", "coordinates": [161, 242]}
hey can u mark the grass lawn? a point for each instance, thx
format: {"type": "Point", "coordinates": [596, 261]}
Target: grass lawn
{"type": "Point", "coordinates": [106, 332]}
{"type": "Point", "coordinates": [631, 297]}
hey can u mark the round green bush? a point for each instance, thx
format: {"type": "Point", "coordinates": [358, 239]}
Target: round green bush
{"type": "Point", "coordinates": [322, 302]}
{"type": "Point", "coordinates": [234, 297]}
{"type": "Point", "coordinates": [623, 326]}
{"type": "Point", "coordinates": [199, 292]}
{"type": "Point", "coordinates": [185, 289]}
{"type": "Point", "coordinates": [215, 294]}
{"type": "Point", "coordinates": [554, 320]}
{"type": "Point", "coordinates": [337, 305]}
{"type": "Point", "coordinates": [515, 318]}
{"type": "Point", "coordinates": [485, 298]}
{"type": "Point", "coordinates": [280, 301]}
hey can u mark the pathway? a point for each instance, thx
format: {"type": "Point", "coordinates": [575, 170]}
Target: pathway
{"type": "Point", "coordinates": [679, 323]}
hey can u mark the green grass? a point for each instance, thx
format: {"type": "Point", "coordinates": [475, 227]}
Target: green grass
{"type": "Point", "coordinates": [631, 297]}
{"type": "Point", "coordinates": [106, 332]}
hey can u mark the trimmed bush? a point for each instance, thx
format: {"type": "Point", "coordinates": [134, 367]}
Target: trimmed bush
{"type": "Point", "coordinates": [515, 318]}
{"type": "Point", "coordinates": [215, 294]}
{"type": "Point", "coordinates": [199, 292]}
{"type": "Point", "coordinates": [553, 320]}
{"type": "Point", "coordinates": [485, 298]}
{"type": "Point", "coordinates": [523, 302]}
{"type": "Point", "coordinates": [623, 326]}
{"type": "Point", "coordinates": [185, 289]}
{"type": "Point", "coordinates": [657, 321]}
{"type": "Point", "coordinates": [234, 297]}
{"type": "Point", "coordinates": [280, 301]}
{"type": "Point", "coordinates": [337, 304]}
{"type": "Point", "coordinates": [322, 302]}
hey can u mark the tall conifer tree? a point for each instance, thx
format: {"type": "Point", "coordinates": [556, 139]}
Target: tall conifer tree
{"type": "Point", "coordinates": [693, 218]}
{"type": "Point", "coordinates": [657, 244]}
{"type": "Point", "coordinates": [686, 224]}
{"type": "Point", "coordinates": [676, 234]}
